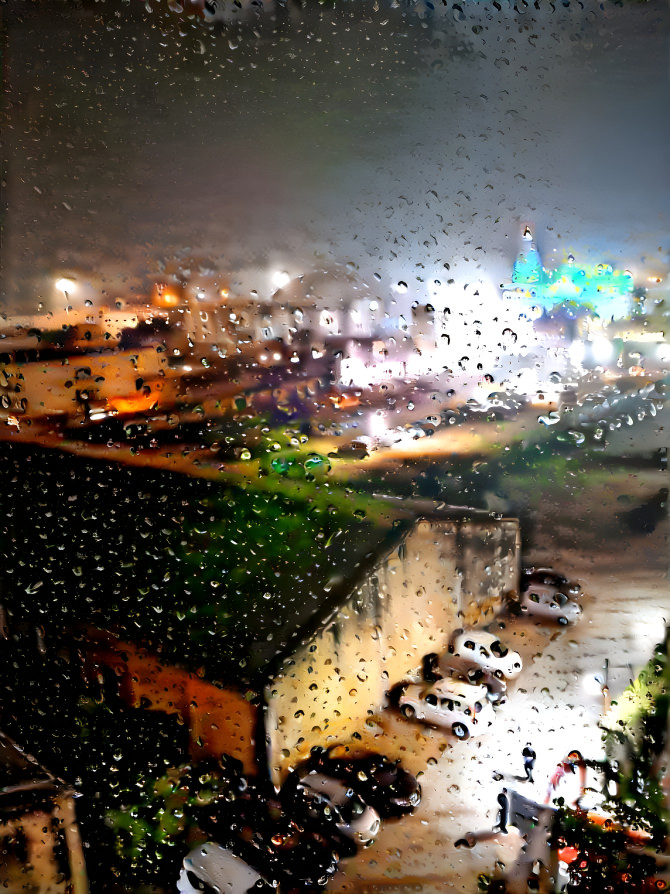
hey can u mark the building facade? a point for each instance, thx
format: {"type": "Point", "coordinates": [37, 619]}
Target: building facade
{"type": "Point", "coordinates": [443, 574]}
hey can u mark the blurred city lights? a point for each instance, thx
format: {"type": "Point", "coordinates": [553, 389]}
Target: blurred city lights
{"type": "Point", "coordinates": [602, 349]}
{"type": "Point", "coordinates": [577, 353]}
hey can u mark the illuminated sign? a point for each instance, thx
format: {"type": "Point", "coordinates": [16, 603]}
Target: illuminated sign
{"type": "Point", "coordinates": [598, 289]}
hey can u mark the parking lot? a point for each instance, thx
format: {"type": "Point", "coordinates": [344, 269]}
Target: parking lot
{"type": "Point", "coordinates": [555, 704]}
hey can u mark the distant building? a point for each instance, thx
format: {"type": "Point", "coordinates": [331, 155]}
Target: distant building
{"type": "Point", "coordinates": [71, 385]}
{"type": "Point", "coordinates": [92, 327]}
{"type": "Point", "coordinates": [571, 288]}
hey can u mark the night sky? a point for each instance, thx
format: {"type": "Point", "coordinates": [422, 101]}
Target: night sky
{"type": "Point", "coordinates": [395, 138]}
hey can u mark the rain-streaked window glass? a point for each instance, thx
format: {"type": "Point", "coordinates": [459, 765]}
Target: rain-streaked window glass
{"type": "Point", "coordinates": [333, 410]}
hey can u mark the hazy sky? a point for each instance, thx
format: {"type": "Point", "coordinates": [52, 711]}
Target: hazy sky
{"type": "Point", "coordinates": [391, 137]}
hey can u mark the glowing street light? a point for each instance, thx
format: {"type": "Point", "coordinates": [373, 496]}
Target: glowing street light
{"type": "Point", "coordinates": [280, 278]}
{"type": "Point", "coordinates": [67, 286]}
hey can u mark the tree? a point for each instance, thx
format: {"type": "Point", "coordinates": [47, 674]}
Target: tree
{"type": "Point", "coordinates": [615, 851]}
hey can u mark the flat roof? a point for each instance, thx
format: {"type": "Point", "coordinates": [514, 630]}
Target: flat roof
{"type": "Point", "coordinates": [217, 580]}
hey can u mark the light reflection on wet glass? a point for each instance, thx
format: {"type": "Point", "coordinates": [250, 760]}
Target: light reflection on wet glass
{"type": "Point", "coordinates": [333, 379]}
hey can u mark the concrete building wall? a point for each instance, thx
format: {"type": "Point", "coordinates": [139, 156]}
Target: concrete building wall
{"type": "Point", "coordinates": [220, 721]}
{"type": "Point", "coordinates": [444, 575]}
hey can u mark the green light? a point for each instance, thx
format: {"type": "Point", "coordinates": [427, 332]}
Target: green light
{"type": "Point", "coordinates": [597, 288]}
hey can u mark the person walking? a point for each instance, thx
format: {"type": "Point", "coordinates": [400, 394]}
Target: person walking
{"type": "Point", "coordinates": [528, 761]}
{"type": "Point", "coordinates": [503, 813]}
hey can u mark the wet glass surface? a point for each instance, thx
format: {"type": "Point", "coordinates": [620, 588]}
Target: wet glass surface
{"type": "Point", "coordinates": [334, 335]}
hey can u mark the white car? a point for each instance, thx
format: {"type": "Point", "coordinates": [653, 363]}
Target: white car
{"type": "Point", "coordinates": [534, 575]}
{"type": "Point", "coordinates": [437, 667]}
{"type": "Point", "coordinates": [212, 867]}
{"type": "Point", "coordinates": [479, 648]}
{"type": "Point", "coordinates": [429, 424]}
{"type": "Point", "coordinates": [389, 438]}
{"type": "Point", "coordinates": [352, 817]}
{"type": "Point", "coordinates": [462, 708]}
{"type": "Point", "coordinates": [548, 603]}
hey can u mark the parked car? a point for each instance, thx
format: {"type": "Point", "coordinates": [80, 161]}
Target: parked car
{"type": "Point", "coordinates": [245, 814]}
{"type": "Point", "coordinates": [305, 859]}
{"type": "Point", "coordinates": [344, 398]}
{"type": "Point", "coordinates": [534, 575]}
{"type": "Point", "coordinates": [382, 783]}
{"type": "Point", "coordinates": [211, 867]}
{"type": "Point", "coordinates": [359, 447]}
{"type": "Point", "coordinates": [413, 432]}
{"type": "Point", "coordinates": [462, 708]}
{"type": "Point", "coordinates": [438, 667]}
{"type": "Point", "coordinates": [497, 406]}
{"type": "Point", "coordinates": [429, 424]}
{"type": "Point", "coordinates": [547, 603]}
{"type": "Point", "coordinates": [333, 808]}
{"type": "Point", "coordinates": [259, 829]}
{"type": "Point", "coordinates": [479, 648]}
{"type": "Point", "coordinates": [391, 437]}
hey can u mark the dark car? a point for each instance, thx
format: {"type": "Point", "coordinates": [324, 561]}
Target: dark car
{"type": "Point", "coordinates": [381, 782]}
{"type": "Point", "coordinates": [305, 860]}
{"type": "Point", "coordinates": [280, 842]}
{"type": "Point", "coordinates": [359, 447]}
{"type": "Point", "coordinates": [331, 807]}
